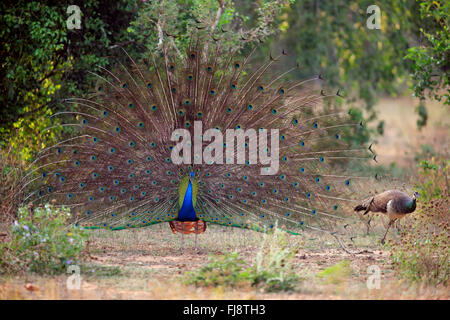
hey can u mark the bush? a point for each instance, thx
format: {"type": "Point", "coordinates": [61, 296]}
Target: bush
{"type": "Point", "coordinates": [42, 242]}
{"type": "Point", "coordinates": [271, 271]}
{"type": "Point", "coordinates": [422, 254]}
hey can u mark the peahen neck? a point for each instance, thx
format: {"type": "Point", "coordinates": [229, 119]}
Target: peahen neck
{"type": "Point", "coordinates": [187, 212]}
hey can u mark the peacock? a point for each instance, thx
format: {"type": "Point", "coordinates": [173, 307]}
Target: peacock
{"type": "Point", "coordinates": [394, 203]}
{"type": "Point", "coordinates": [203, 136]}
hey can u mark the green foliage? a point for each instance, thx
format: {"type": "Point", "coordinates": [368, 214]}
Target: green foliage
{"type": "Point", "coordinates": [224, 270]}
{"type": "Point", "coordinates": [43, 61]}
{"type": "Point", "coordinates": [42, 242]}
{"type": "Point", "coordinates": [272, 270]}
{"type": "Point", "coordinates": [431, 59]}
{"type": "Point", "coordinates": [331, 38]}
{"type": "Point", "coordinates": [336, 273]}
{"type": "Point", "coordinates": [422, 254]}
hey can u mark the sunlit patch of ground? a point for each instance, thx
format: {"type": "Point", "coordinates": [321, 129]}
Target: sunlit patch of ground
{"type": "Point", "coordinates": [147, 264]}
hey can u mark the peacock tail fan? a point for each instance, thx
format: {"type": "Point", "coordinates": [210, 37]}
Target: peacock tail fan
{"type": "Point", "coordinates": [252, 148]}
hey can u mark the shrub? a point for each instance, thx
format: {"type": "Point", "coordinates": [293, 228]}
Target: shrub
{"type": "Point", "coordinates": [422, 254]}
{"type": "Point", "coordinates": [271, 270]}
{"type": "Point", "coordinates": [42, 242]}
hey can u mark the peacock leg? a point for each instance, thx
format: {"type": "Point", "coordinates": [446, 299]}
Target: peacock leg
{"type": "Point", "coordinates": [387, 229]}
{"type": "Point", "coordinates": [182, 238]}
{"type": "Point", "coordinates": [368, 224]}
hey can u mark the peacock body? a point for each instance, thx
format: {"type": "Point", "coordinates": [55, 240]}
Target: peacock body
{"type": "Point", "coordinates": [269, 151]}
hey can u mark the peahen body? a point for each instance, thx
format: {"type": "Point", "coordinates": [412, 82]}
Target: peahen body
{"type": "Point", "coordinates": [132, 161]}
{"type": "Point", "coordinates": [394, 203]}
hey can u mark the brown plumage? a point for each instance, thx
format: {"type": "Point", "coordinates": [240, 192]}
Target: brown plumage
{"type": "Point", "coordinates": [394, 203]}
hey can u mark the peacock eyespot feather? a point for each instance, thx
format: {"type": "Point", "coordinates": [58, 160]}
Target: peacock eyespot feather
{"type": "Point", "coordinates": [116, 182]}
{"type": "Point", "coordinates": [229, 110]}
{"type": "Point", "coordinates": [237, 65]}
{"type": "Point", "coordinates": [95, 139]}
{"type": "Point", "coordinates": [124, 85]}
{"type": "Point", "coordinates": [131, 106]}
{"type": "Point", "coordinates": [294, 121]}
{"type": "Point", "coordinates": [171, 66]}
{"type": "Point", "coordinates": [140, 124]}
{"type": "Point", "coordinates": [321, 159]}
{"type": "Point", "coordinates": [174, 90]}
{"type": "Point", "coordinates": [337, 136]}
{"type": "Point", "coordinates": [282, 90]}
{"type": "Point", "coordinates": [199, 114]}
{"type": "Point", "coordinates": [187, 124]}
{"type": "Point", "coordinates": [76, 163]}
{"type": "Point", "coordinates": [212, 92]}
{"type": "Point", "coordinates": [181, 112]}
{"type": "Point", "coordinates": [261, 88]}
{"type": "Point", "coordinates": [250, 106]}
{"type": "Point", "coordinates": [302, 170]}
{"type": "Point", "coordinates": [274, 111]}
{"type": "Point", "coordinates": [94, 175]}
{"type": "Point", "coordinates": [154, 107]}
{"type": "Point", "coordinates": [316, 125]}
{"type": "Point", "coordinates": [130, 161]}
{"type": "Point", "coordinates": [328, 187]}
{"type": "Point", "coordinates": [84, 121]}
{"type": "Point", "coordinates": [131, 175]}
{"type": "Point", "coordinates": [99, 88]}
{"type": "Point", "coordinates": [149, 85]}
{"type": "Point", "coordinates": [153, 144]}
{"type": "Point", "coordinates": [233, 86]}
{"type": "Point", "coordinates": [317, 179]}
{"type": "Point", "coordinates": [117, 129]}
{"type": "Point", "coordinates": [347, 182]}
{"type": "Point", "coordinates": [313, 211]}
{"type": "Point", "coordinates": [302, 143]}
{"type": "Point", "coordinates": [209, 68]}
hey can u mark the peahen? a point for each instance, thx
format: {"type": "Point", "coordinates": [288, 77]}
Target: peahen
{"type": "Point", "coordinates": [394, 203]}
{"type": "Point", "coordinates": [280, 167]}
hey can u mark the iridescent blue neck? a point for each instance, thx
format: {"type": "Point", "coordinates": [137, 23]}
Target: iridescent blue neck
{"type": "Point", "coordinates": [187, 212]}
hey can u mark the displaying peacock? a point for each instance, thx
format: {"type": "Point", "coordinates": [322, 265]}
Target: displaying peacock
{"type": "Point", "coordinates": [202, 137]}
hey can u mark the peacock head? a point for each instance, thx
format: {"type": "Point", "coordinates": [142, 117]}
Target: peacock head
{"type": "Point", "coordinates": [416, 195]}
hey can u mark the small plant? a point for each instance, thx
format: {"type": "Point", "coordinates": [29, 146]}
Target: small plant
{"type": "Point", "coordinates": [271, 270]}
{"type": "Point", "coordinates": [336, 273]}
{"type": "Point", "coordinates": [223, 270]}
{"type": "Point", "coordinates": [42, 242]}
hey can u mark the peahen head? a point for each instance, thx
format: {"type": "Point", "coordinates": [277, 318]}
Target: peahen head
{"type": "Point", "coordinates": [416, 195]}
